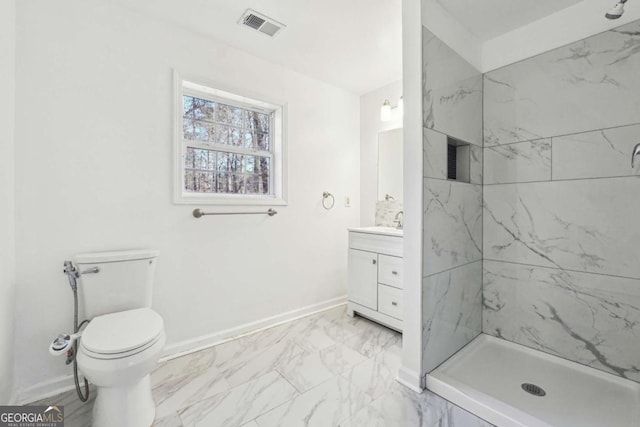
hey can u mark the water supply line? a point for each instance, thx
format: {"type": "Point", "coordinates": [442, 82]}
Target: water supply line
{"type": "Point", "coordinates": [73, 274]}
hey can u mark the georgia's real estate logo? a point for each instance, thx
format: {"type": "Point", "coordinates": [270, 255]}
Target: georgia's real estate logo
{"type": "Point", "coordinates": [31, 416]}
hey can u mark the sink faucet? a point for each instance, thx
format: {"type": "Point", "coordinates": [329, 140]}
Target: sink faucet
{"type": "Point", "coordinates": [398, 219]}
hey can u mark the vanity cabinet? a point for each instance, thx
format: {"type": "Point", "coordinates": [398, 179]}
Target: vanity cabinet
{"type": "Point", "coordinates": [375, 275]}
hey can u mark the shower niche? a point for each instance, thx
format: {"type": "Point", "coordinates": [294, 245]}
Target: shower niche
{"type": "Point", "coordinates": [458, 160]}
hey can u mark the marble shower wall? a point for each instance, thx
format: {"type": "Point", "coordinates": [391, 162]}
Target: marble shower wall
{"type": "Point", "coordinates": [561, 240]}
{"type": "Point", "coordinates": [587, 85]}
{"type": "Point", "coordinates": [452, 265]}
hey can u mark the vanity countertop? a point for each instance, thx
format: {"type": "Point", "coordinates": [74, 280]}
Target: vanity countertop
{"type": "Point", "coordinates": [385, 231]}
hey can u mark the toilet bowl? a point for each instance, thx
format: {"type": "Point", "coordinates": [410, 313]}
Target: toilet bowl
{"type": "Point", "coordinates": [117, 353]}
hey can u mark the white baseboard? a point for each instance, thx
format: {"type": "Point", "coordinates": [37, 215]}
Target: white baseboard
{"type": "Point", "coordinates": [206, 341]}
{"type": "Point", "coordinates": [410, 379]}
{"type": "Point", "coordinates": [65, 383]}
{"type": "Point", "coordinates": [45, 389]}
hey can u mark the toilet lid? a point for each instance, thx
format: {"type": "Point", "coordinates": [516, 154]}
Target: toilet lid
{"type": "Point", "coordinates": [121, 332]}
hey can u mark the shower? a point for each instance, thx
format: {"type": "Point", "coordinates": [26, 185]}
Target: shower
{"type": "Point", "coordinates": [616, 11]}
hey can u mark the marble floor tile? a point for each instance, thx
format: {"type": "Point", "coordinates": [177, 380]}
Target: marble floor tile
{"type": "Point", "coordinates": [320, 370]}
{"type": "Point", "coordinates": [343, 326]}
{"type": "Point", "coordinates": [172, 420]}
{"type": "Point", "coordinates": [254, 364]}
{"type": "Point", "coordinates": [402, 407]}
{"type": "Point", "coordinates": [176, 393]}
{"type": "Point", "coordinates": [308, 370]}
{"type": "Point", "coordinates": [324, 405]}
{"type": "Point", "coordinates": [372, 341]}
{"type": "Point", "coordinates": [378, 375]}
{"type": "Point", "coordinates": [240, 404]}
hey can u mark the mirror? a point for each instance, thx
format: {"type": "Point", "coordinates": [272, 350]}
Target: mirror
{"type": "Point", "coordinates": [390, 165]}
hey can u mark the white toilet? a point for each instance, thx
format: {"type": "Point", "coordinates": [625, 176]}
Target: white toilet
{"type": "Point", "coordinates": [121, 345]}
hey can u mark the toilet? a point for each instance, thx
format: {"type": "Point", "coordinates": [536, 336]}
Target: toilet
{"type": "Point", "coordinates": [122, 343]}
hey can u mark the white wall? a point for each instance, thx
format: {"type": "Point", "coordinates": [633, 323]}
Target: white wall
{"type": "Point", "coordinates": [410, 372]}
{"type": "Point", "coordinates": [370, 127]}
{"type": "Point", "coordinates": [7, 271]}
{"type": "Point", "coordinates": [94, 172]}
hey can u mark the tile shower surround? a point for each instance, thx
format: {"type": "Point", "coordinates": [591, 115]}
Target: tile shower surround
{"type": "Point", "coordinates": [561, 202]}
{"type": "Point", "coordinates": [327, 369]}
{"type": "Point", "coordinates": [452, 236]}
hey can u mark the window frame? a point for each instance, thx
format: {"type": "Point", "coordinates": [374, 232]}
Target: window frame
{"type": "Point", "coordinates": [215, 92]}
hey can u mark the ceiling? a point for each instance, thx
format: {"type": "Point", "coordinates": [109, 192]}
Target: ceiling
{"type": "Point", "coordinates": [487, 19]}
{"type": "Point", "coordinates": [352, 44]}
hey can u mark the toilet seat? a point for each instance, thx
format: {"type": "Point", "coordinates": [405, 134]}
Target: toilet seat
{"type": "Point", "coordinates": [121, 334]}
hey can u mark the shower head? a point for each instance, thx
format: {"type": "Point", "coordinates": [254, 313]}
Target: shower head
{"type": "Point", "coordinates": [616, 11]}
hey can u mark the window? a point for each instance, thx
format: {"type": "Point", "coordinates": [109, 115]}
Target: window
{"type": "Point", "coordinates": [230, 148]}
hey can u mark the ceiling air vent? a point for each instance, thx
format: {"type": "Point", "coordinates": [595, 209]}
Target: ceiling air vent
{"type": "Point", "coordinates": [260, 22]}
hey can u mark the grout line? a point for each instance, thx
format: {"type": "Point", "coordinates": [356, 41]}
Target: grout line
{"type": "Point", "coordinates": [452, 268]}
{"type": "Point", "coordinates": [563, 180]}
{"type": "Point", "coordinates": [528, 141]}
{"type": "Point", "coordinates": [564, 134]}
{"type": "Point", "coordinates": [563, 269]}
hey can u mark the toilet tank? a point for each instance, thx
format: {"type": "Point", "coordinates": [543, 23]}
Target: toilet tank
{"type": "Point", "coordinates": [124, 280]}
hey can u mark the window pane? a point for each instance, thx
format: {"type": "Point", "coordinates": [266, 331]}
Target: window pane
{"type": "Point", "coordinates": [235, 162]}
{"type": "Point", "coordinates": [196, 108]}
{"type": "Point", "coordinates": [250, 164]}
{"type": "Point", "coordinates": [265, 121]}
{"type": "Point", "coordinates": [236, 137]}
{"type": "Point", "coordinates": [237, 117]}
{"type": "Point", "coordinates": [264, 170]}
{"type": "Point", "coordinates": [188, 129]}
{"type": "Point", "coordinates": [262, 142]}
{"type": "Point", "coordinates": [222, 185]}
{"type": "Point", "coordinates": [197, 130]}
{"type": "Point", "coordinates": [222, 163]}
{"type": "Point", "coordinates": [198, 182]}
{"type": "Point", "coordinates": [249, 141]}
{"type": "Point", "coordinates": [257, 121]}
{"type": "Point", "coordinates": [222, 135]}
{"type": "Point", "coordinates": [223, 114]}
{"type": "Point", "coordinates": [236, 184]}
{"type": "Point", "coordinates": [230, 115]}
{"type": "Point", "coordinates": [252, 185]}
{"type": "Point", "coordinates": [199, 159]}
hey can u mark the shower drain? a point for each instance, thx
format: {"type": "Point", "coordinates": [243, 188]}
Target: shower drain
{"type": "Point", "coordinates": [533, 389]}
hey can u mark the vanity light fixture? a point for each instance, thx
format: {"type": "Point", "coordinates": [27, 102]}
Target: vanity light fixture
{"type": "Point", "coordinates": [386, 111]}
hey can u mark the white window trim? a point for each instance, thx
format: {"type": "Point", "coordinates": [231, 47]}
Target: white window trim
{"type": "Point", "coordinates": [197, 86]}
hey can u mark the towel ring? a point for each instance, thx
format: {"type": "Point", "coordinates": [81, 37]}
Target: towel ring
{"type": "Point", "coordinates": [326, 195]}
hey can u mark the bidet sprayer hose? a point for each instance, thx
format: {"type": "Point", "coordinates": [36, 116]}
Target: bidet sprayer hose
{"type": "Point", "coordinates": [83, 397]}
{"type": "Point", "coordinates": [72, 273]}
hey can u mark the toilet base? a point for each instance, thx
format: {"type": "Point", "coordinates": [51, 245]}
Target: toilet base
{"type": "Point", "coordinates": [126, 406]}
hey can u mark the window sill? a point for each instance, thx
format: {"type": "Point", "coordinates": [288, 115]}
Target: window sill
{"type": "Point", "coordinates": [209, 200]}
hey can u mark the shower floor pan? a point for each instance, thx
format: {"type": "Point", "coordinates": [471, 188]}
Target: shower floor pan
{"type": "Point", "coordinates": [487, 376]}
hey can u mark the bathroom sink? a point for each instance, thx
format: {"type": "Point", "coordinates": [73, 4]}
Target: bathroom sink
{"type": "Point", "coordinates": [390, 231]}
